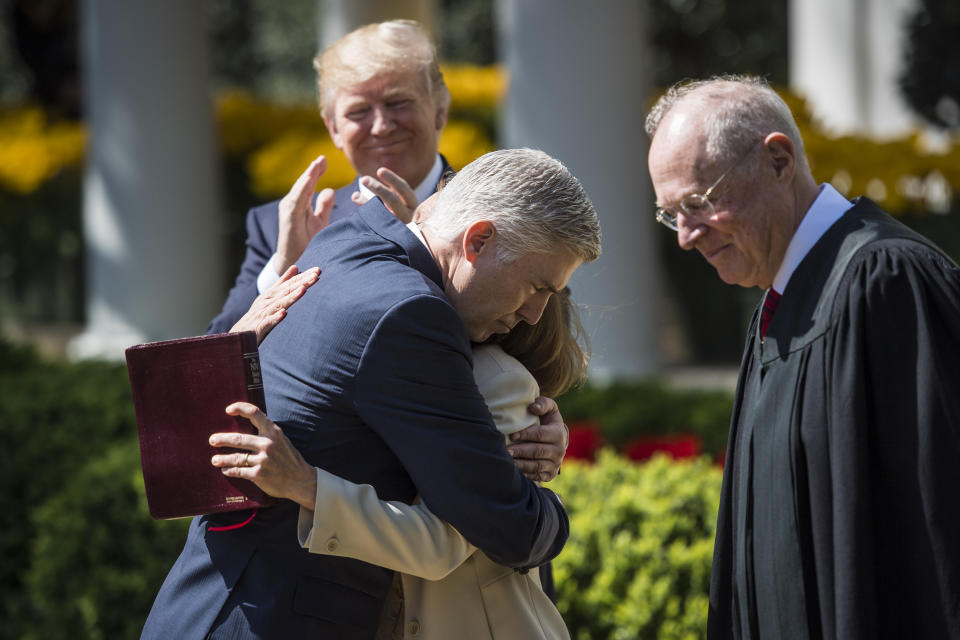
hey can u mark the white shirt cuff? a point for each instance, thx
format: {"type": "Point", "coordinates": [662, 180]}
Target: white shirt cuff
{"type": "Point", "coordinates": [268, 276]}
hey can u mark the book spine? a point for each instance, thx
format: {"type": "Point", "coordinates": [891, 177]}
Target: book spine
{"type": "Point", "coordinates": [251, 369]}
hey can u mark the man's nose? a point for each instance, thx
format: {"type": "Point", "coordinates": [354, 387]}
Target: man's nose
{"type": "Point", "coordinates": [382, 121]}
{"type": "Point", "coordinates": [689, 232]}
{"type": "Point", "coordinates": [532, 309]}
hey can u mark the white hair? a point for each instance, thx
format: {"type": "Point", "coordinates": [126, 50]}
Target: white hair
{"type": "Point", "coordinates": [535, 204]}
{"type": "Point", "coordinates": [743, 109]}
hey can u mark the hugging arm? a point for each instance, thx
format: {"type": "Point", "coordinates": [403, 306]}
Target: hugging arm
{"type": "Point", "coordinates": [342, 518]}
{"type": "Point", "coordinates": [432, 416]}
{"type": "Point", "coordinates": [350, 520]}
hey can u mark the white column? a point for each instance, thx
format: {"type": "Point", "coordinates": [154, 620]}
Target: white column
{"type": "Point", "coordinates": [152, 221]}
{"type": "Point", "coordinates": [579, 83]}
{"type": "Point", "coordinates": [845, 57]}
{"type": "Point", "coordinates": [339, 17]}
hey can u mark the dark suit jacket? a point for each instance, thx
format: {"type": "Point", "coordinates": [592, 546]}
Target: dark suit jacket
{"type": "Point", "coordinates": [370, 376]}
{"type": "Point", "coordinates": [263, 227]}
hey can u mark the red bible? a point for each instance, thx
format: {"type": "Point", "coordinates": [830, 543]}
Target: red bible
{"type": "Point", "coordinates": [180, 390]}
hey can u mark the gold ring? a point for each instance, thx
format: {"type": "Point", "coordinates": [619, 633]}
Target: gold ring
{"type": "Point", "coordinates": [246, 463]}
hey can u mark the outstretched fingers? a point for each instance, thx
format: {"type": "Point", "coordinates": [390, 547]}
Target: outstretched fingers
{"type": "Point", "coordinates": [394, 191]}
{"type": "Point", "coordinates": [270, 307]}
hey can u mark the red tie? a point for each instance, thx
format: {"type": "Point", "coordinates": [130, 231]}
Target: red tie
{"type": "Point", "coordinates": [769, 306]}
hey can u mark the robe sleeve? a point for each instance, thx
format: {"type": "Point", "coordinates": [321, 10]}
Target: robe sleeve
{"type": "Point", "coordinates": [893, 397]}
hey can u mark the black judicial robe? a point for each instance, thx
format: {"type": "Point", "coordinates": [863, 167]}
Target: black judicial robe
{"type": "Point", "coordinates": [840, 509]}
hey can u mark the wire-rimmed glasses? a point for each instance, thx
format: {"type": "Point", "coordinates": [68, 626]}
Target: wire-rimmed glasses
{"type": "Point", "coordinates": [696, 206]}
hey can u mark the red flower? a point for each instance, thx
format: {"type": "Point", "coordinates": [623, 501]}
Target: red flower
{"type": "Point", "coordinates": [682, 445]}
{"type": "Point", "coordinates": [585, 439]}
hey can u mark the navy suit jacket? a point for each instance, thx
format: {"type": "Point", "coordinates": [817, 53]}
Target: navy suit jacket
{"type": "Point", "coordinates": [263, 227]}
{"type": "Point", "coordinates": [370, 376]}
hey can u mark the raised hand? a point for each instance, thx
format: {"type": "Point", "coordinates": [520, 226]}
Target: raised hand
{"type": "Point", "coordinates": [299, 219]}
{"type": "Point", "coordinates": [396, 193]}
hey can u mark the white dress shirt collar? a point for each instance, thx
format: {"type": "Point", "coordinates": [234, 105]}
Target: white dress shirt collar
{"type": "Point", "coordinates": [829, 206]}
{"type": "Point", "coordinates": [415, 230]}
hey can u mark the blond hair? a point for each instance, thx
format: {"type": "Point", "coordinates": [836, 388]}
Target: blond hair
{"type": "Point", "coordinates": [383, 47]}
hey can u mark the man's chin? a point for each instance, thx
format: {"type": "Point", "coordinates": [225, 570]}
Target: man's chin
{"type": "Point", "coordinates": [373, 161]}
{"type": "Point", "coordinates": [389, 156]}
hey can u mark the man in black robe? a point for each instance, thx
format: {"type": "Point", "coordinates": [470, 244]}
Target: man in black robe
{"type": "Point", "coordinates": [838, 514]}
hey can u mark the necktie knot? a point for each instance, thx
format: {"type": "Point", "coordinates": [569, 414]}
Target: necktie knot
{"type": "Point", "coordinates": [770, 303]}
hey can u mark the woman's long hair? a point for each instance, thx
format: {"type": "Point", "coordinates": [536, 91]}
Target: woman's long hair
{"type": "Point", "coordinates": [556, 350]}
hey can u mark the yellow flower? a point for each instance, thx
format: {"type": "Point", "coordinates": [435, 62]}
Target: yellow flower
{"type": "Point", "coordinates": [276, 166]}
{"type": "Point", "coordinates": [900, 175]}
{"type": "Point", "coordinates": [473, 86]}
{"type": "Point", "coordinates": [247, 123]}
{"type": "Point", "coordinates": [463, 141]}
{"type": "Point", "coordinates": [32, 151]}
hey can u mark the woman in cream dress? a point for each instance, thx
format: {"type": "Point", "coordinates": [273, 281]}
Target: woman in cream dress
{"type": "Point", "coordinates": [449, 588]}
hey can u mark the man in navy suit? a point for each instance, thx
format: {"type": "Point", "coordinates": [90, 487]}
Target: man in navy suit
{"type": "Point", "coordinates": [384, 102]}
{"type": "Point", "coordinates": [370, 376]}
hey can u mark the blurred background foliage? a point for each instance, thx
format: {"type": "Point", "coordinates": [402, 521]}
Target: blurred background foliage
{"type": "Point", "coordinates": [81, 557]}
{"type": "Point", "coordinates": [930, 78]}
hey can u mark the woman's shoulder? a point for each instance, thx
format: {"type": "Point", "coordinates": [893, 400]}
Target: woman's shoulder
{"type": "Point", "coordinates": [491, 360]}
{"type": "Point", "coordinates": [506, 386]}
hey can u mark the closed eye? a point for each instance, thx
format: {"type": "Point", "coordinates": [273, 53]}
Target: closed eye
{"type": "Point", "coordinates": [358, 114]}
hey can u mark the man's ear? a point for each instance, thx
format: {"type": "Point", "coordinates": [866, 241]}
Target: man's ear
{"type": "Point", "coordinates": [477, 239]}
{"type": "Point", "coordinates": [332, 130]}
{"type": "Point", "coordinates": [440, 119]}
{"type": "Point", "coordinates": [783, 156]}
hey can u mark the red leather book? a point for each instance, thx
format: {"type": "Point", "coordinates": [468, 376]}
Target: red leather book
{"type": "Point", "coordinates": [180, 390]}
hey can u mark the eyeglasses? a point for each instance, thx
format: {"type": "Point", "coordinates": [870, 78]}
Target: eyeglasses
{"type": "Point", "coordinates": [696, 206]}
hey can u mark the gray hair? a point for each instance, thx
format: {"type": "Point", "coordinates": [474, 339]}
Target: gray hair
{"type": "Point", "coordinates": [743, 109]}
{"type": "Point", "coordinates": [533, 201]}
{"type": "Point", "coordinates": [381, 47]}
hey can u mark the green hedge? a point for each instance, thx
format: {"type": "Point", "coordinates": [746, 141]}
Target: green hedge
{"type": "Point", "coordinates": [637, 564]}
{"type": "Point", "coordinates": [83, 559]}
{"type": "Point", "coordinates": [81, 556]}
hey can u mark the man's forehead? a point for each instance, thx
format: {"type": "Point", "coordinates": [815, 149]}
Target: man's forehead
{"type": "Point", "coordinates": [385, 83]}
{"type": "Point", "coordinates": [682, 128]}
{"type": "Point", "coordinates": [678, 123]}
{"type": "Point", "coordinates": [549, 270]}
{"type": "Point", "coordinates": [678, 150]}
